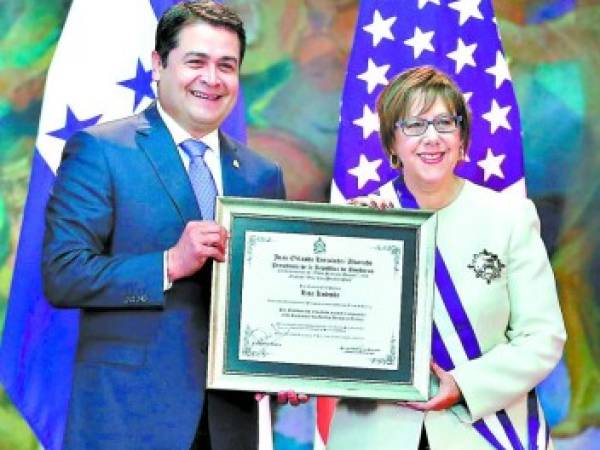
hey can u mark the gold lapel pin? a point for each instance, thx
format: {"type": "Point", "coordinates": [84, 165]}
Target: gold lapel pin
{"type": "Point", "coordinates": [236, 164]}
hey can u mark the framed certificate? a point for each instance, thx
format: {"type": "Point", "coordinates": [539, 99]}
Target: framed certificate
{"type": "Point", "coordinates": [323, 299]}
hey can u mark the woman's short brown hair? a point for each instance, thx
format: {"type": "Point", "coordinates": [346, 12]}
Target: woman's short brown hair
{"type": "Point", "coordinates": [426, 84]}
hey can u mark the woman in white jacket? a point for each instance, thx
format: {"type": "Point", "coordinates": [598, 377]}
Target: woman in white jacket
{"type": "Point", "coordinates": [498, 329]}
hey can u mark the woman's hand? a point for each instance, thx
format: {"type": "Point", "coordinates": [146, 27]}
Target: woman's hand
{"type": "Point", "coordinates": [372, 201]}
{"type": "Point", "coordinates": [448, 395]}
{"type": "Point", "coordinates": [284, 397]}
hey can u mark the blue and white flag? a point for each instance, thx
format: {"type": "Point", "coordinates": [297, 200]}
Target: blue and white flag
{"type": "Point", "coordinates": [462, 39]}
{"type": "Point", "coordinates": [101, 71]}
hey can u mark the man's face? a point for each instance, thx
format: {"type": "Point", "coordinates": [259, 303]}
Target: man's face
{"type": "Point", "coordinates": [199, 85]}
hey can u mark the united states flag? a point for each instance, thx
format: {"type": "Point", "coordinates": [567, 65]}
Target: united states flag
{"type": "Point", "coordinates": [462, 39]}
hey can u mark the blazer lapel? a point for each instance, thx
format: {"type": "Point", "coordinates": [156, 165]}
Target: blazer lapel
{"type": "Point", "coordinates": [154, 139]}
{"type": "Point", "coordinates": [232, 169]}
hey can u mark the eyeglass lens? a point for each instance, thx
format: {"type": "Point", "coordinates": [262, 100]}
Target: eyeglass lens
{"type": "Point", "coordinates": [416, 126]}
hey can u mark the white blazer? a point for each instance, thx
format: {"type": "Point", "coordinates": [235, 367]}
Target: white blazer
{"type": "Point", "coordinates": [516, 318]}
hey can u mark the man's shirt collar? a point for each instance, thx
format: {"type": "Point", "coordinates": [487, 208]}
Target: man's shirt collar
{"type": "Point", "coordinates": [179, 134]}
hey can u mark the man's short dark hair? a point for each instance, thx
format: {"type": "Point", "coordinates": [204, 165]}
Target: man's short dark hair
{"type": "Point", "coordinates": [185, 13]}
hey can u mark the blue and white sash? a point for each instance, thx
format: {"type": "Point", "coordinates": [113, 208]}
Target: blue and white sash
{"type": "Point", "coordinates": [468, 339]}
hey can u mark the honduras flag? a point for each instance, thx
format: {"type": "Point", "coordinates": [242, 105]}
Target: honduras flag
{"type": "Point", "coordinates": [101, 71]}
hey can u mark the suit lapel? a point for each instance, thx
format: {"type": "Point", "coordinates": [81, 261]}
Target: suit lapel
{"type": "Point", "coordinates": [154, 139]}
{"type": "Point", "coordinates": [232, 169]}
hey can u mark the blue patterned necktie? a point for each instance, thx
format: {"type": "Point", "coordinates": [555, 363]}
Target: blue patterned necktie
{"type": "Point", "coordinates": [201, 178]}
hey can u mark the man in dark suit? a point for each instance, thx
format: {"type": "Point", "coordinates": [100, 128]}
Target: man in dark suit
{"type": "Point", "coordinates": [130, 244]}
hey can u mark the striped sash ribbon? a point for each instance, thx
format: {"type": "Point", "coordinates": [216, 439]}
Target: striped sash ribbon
{"type": "Point", "coordinates": [468, 339]}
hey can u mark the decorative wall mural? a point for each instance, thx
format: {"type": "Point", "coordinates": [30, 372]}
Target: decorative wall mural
{"type": "Point", "coordinates": [292, 79]}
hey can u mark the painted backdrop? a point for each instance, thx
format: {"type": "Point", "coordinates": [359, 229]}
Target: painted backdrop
{"type": "Point", "coordinates": [292, 79]}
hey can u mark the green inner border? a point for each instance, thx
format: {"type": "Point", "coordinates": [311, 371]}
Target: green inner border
{"type": "Point", "coordinates": [409, 235]}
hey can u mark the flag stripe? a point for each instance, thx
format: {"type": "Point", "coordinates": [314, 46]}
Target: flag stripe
{"type": "Point", "coordinates": [325, 411]}
{"type": "Point", "coordinates": [32, 327]}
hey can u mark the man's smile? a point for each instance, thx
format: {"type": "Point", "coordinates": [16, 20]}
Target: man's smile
{"type": "Point", "coordinates": [205, 96]}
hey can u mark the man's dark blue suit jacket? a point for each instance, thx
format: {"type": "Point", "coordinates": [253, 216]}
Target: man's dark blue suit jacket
{"type": "Point", "coordinates": [121, 198]}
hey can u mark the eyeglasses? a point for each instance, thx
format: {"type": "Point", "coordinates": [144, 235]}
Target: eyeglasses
{"type": "Point", "coordinates": [416, 126]}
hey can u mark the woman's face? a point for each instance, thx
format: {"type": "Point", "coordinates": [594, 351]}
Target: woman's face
{"type": "Point", "coordinates": [429, 159]}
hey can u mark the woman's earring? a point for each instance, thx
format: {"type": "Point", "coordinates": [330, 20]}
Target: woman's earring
{"type": "Point", "coordinates": [395, 161]}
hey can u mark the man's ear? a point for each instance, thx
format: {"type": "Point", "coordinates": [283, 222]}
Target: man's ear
{"type": "Point", "coordinates": [156, 66]}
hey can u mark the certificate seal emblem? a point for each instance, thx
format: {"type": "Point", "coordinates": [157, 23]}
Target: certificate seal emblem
{"type": "Point", "coordinates": [486, 265]}
{"type": "Point", "coordinates": [319, 246]}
